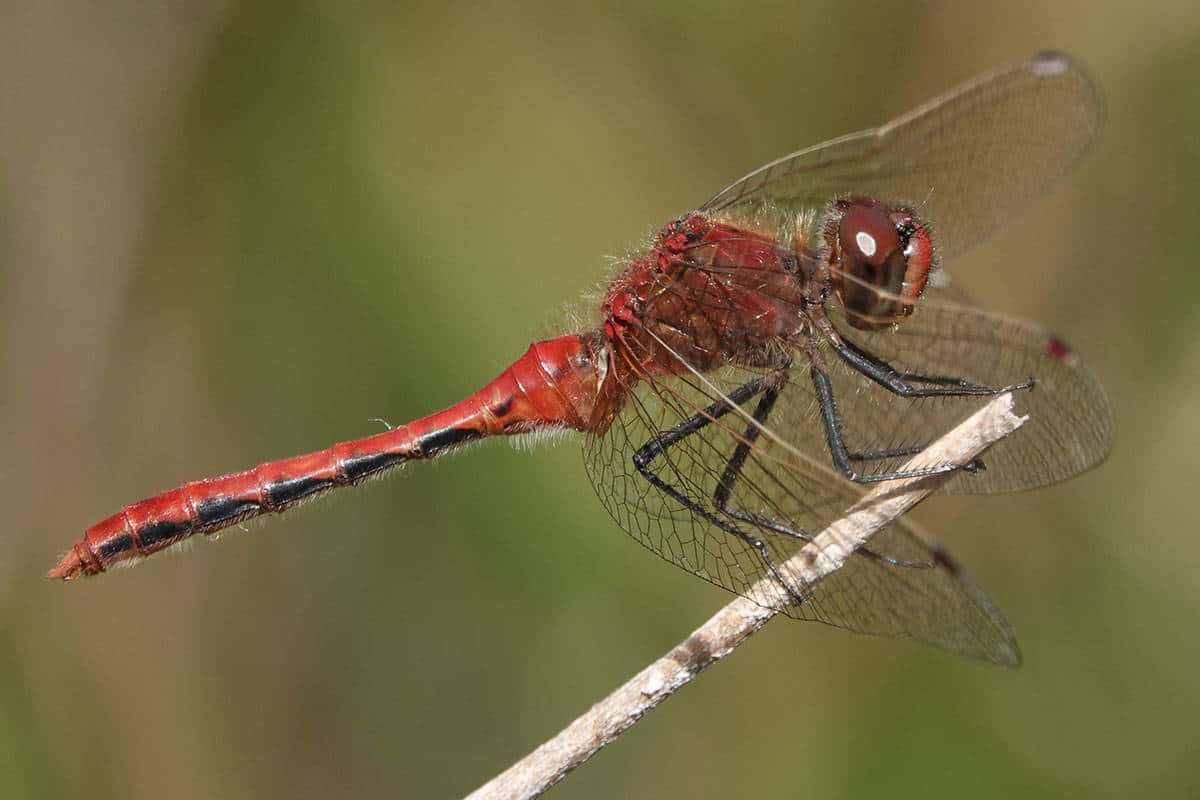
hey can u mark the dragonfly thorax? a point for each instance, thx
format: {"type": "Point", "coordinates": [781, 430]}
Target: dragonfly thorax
{"type": "Point", "coordinates": [707, 293]}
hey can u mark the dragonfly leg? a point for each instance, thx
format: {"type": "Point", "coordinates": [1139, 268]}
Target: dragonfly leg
{"type": "Point", "coordinates": [769, 386]}
{"type": "Point", "coordinates": [974, 465]}
{"type": "Point", "coordinates": [903, 383]}
{"type": "Point", "coordinates": [737, 462]}
{"type": "Point", "coordinates": [843, 460]}
{"type": "Point", "coordinates": [660, 445]}
{"type": "Point", "coordinates": [698, 421]}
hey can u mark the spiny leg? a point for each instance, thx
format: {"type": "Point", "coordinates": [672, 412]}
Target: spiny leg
{"type": "Point", "coordinates": [837, 445]}
{"type": "Point", "coordinates": [769, 386]}
{"type": "Point", "coordinates": [659, 446]}
{"type": "Point", "coordinates": [737, 461]}
{"type": "Point", "coordinates": [902, 384]}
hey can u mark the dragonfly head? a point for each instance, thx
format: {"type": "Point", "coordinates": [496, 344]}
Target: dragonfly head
{"type": "Point", "coordinates": [880, 258]}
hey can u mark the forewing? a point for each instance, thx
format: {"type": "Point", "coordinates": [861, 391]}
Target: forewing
{"type": "Point", "coordinates": [970, 160]}
{"type": "Point", "coordinates": [899, 585]}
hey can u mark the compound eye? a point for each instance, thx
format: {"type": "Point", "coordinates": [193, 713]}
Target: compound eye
{"type": "Point", "coordinates": [868, 266]}
{"type": "Point", "coordinates": [918, 248]}
{"type": "Point", "coordinates": [868, 237]}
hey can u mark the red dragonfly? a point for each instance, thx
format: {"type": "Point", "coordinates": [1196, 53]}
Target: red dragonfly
{"type": "Point", "coordinates": [704, 437]}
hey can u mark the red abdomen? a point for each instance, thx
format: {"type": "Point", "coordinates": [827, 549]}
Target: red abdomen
{"type": "Point", "coordinates": [557, 383]}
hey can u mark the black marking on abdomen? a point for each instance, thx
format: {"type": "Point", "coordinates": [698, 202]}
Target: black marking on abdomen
{"type": "Point", "coordinates": [161, 533]}
{"type": "Point", "coordinates": [359, 467]}
{"type": "Point", "coordinates": [114, 547]}
{"type": "Point", "coordinates": [223, 510]}
{"type": "Point", "coordinates": [287, 491]}
{"type": "Point", "coordinates": [433, 443]}
{"type": "Point", "coordinates": [502, 408]}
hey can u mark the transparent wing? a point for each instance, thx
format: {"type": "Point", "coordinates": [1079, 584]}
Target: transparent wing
{"type": "Point", "coordinates": [971, 159]}
{"type": "Point", "coordinates": [1070, 423]}
{"type": "Point", "coordinates": [683, 505]}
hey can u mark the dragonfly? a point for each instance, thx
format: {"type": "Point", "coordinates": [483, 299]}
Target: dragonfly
{"type": "Point", "coordinates": [761, 360]}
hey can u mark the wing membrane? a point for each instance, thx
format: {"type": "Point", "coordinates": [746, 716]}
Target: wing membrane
{"type": "Point", "coordinates": [901, 585]}
{"type": "Point", "coordinates": [1070, 425]}
{"type": "Point", "coordinates": [971, 159]}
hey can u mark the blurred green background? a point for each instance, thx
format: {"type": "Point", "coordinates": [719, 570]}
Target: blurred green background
{"type": "Point", "coordinates": [231, 232]}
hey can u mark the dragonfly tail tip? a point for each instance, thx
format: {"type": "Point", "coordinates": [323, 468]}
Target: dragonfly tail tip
{"type": "Point", "coordinates": [69, 567]}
